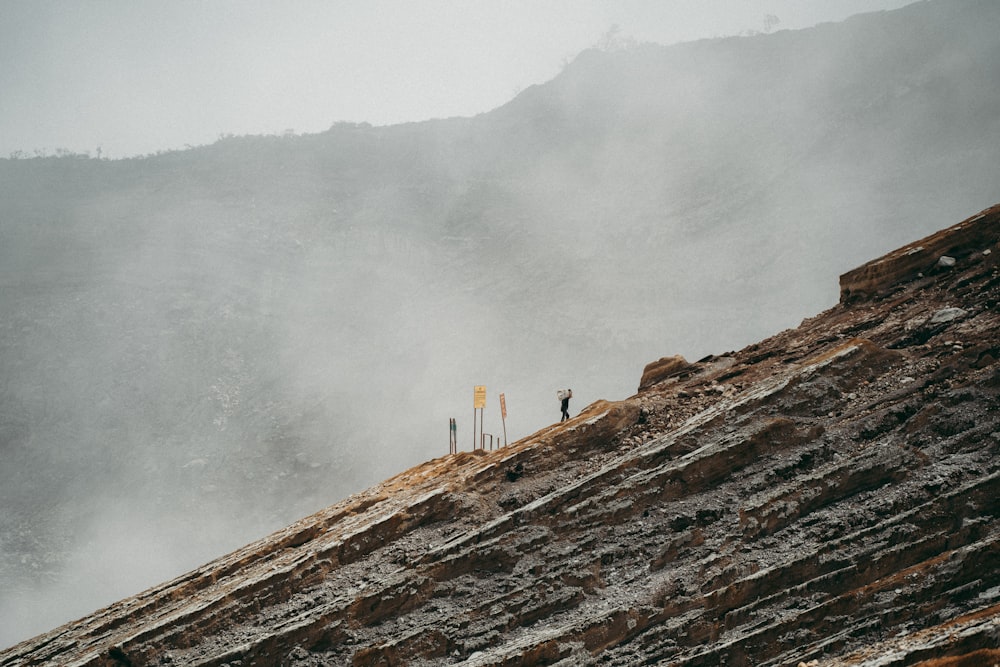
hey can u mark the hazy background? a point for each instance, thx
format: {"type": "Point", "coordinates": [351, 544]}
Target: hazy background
{"type": "Point", "coordinates": [201, 345]}
{"type": "Point", "coordinates": [137, 76]}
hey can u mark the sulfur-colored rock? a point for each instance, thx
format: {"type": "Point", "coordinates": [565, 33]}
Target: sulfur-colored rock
{"type": "Point", "coordinates": [662, 369]}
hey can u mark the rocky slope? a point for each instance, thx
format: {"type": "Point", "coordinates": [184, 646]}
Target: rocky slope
{"type": "Point", "coordinates": [829, 494]}
{"type": "Point", "coordinates": [212, 336]}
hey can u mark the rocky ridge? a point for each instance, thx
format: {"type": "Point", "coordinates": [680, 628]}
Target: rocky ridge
{"type": "Point", "coordinates": [826, 496]}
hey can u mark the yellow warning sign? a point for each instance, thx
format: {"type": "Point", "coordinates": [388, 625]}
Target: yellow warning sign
{"type": "Point", "coordinates": [479, 397]}
{"type": "Point", "coordinates": [503, 407]}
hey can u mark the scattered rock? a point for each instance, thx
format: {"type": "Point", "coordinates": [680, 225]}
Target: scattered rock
{"type": "Point", "coordinates": [643, 415]}
{"type": "Point", "coordinates": [947, 315]}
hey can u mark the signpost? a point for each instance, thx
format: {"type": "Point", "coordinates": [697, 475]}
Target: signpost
{"type": "Point", "coordinates": [478, 403]}
{"type": "Point", "coordinates": [503, 417]}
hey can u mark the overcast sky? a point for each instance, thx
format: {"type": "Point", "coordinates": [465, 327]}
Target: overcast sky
{"type": "Point", "coordinates": [136, 76]}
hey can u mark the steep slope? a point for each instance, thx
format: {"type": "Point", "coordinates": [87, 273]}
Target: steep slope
{"type": "Point", "coordinates": [198, 347]}
{"type": "Point", "coordinates": [829, 493]}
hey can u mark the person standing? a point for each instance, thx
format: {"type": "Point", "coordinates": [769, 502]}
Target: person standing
{"type": "Point", "coordinates": [564, 396]}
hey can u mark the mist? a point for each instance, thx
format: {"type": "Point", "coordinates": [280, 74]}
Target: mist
{"type": "Point", "coordinates": [201, 346]}
{"type": "Point", "coordinates": [122, 78]}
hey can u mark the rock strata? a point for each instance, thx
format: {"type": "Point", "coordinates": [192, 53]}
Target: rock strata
{"type": "Point", "coordinates": [936, 252]}
{"type": "Point", "coordinates": [828, 496]}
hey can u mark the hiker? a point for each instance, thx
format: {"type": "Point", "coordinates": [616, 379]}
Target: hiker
{"type": "Point", "coordinates": [564, 395]}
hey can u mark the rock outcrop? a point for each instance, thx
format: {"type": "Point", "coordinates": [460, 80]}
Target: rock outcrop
{"type": "Point", "coordinates": [936, 252]}
{"type": "Point", "coordinates": [661, 370]}
{"type": "Point", "coordinates": [827, 496]}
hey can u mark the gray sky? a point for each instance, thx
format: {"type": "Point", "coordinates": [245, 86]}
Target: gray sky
{"type": "Point", "coordinates": [136, 76]}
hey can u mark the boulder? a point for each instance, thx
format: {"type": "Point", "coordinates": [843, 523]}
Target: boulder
{"type": "Point", "coordinates": [662, 369]}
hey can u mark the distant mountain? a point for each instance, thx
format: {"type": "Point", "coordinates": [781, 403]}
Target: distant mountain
{"type": "Point", "coordinates": [828, 495]}
{"type": "Point", "coordinates": [199, 346]}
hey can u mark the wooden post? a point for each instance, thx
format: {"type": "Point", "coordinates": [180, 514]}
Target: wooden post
{"type": "Point", "coordinates": [503, 417]}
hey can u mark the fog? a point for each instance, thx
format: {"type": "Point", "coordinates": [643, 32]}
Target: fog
{"type": "Point", "coordinates": [201, 346]}
{"type": "Point", "coordinates": [132, 77]}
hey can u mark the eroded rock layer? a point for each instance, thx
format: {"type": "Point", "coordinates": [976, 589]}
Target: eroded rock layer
{"type": "Point", "coordinates": [829, 494]}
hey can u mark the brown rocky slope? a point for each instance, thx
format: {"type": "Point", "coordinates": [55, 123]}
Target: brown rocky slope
{"type": "Point", "coordinates": [829, 494]}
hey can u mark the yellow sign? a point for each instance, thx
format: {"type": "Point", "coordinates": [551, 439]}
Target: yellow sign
{"type": "Point", "coordinates": [479, 400]}
{"type": "Point", "coordinates": [503, 407]}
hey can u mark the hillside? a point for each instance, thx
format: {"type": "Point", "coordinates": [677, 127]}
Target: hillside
{"type": "Point", "coordinates": [201, 346]}
{"type": "Point", "coordinates": [828, 494]}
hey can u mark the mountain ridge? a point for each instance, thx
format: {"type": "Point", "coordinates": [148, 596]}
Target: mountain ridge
{"type": "Point", "coordinates": [829, 494]}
